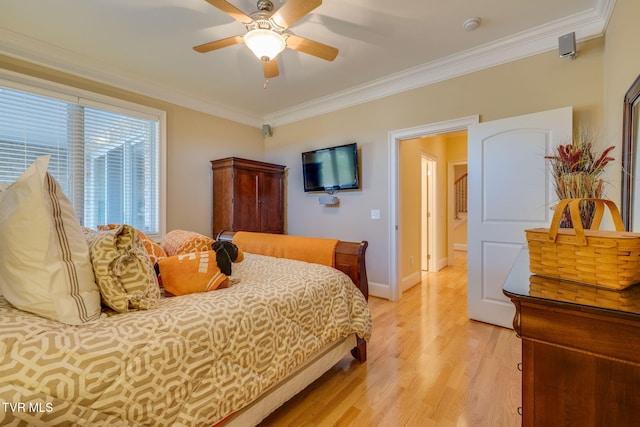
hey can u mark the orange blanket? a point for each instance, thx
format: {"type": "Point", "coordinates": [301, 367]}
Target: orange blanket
{"type": "Point", "coordinates": [309, 249]}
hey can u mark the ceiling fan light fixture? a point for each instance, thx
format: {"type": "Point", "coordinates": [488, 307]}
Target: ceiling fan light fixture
{"type": "Point", "coordinates": [265, 44]}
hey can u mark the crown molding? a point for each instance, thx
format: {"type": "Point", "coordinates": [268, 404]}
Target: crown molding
{"type": "Point", "coordinates": [586, 25]}
{"type": "Point", "coordinates": [40, 53]}
{"type": "Point", "coordinates": [544, 38]}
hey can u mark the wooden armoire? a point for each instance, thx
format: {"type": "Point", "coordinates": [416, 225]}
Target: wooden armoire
{"type": "Point", "coordinates": [248, 195]}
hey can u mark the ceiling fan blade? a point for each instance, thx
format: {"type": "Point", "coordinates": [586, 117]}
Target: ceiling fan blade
{"type": "Point", "coordinates": [230, 10]}
{"type": "Point", "coordinates": [312, 48]}
{"type": "Point", "coordinates": [218, 44]}
{"type": "Point", "coordinates": [293, 10]}
{"type": "Point", "coordinates": [270, 68]}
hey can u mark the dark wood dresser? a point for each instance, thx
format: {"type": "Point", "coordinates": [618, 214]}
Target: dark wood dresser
{"type": "Point", "coordinates": [248, 195]}
{"type": "Point", "coordinates": [580, 350]}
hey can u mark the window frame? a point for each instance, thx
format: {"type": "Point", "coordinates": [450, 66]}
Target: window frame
{"type": "Point", "coordinates": [87, 98]}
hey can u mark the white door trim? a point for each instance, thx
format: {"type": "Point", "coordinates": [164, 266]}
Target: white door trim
{"type": "Point", "coordinates": [394, 144]}
{"type": "Point", "coordinates": [429, 253]}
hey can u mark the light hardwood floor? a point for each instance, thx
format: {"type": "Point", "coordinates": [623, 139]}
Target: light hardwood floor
{"type": "Point", "coordinates": [428, 365]}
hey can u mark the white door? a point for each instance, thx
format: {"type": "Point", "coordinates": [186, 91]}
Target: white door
{"type": "Point", "coordinates": [510, 190]}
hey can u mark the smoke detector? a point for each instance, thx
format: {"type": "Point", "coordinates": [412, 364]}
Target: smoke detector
{"type": "Point", "coordinates": [471, 24]}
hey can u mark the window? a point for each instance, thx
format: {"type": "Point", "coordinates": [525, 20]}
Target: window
{"type": "Point", "coordinates": [105, 157]}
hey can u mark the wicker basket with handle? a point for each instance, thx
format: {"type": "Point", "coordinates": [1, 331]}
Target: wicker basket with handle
{"type": "Point", "coordinates": [610, 259]}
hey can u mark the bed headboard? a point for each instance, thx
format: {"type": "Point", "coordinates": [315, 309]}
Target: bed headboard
{"type": "Point", "coordinates": [349, 258]}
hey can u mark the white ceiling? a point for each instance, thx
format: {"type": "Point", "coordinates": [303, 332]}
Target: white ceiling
{"type": "Point", "coordinates": [386, 46]}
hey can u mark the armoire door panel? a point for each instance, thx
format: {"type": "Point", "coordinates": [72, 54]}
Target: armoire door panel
{"type": "Point", "coordinates": [272, 198]}
{"type": "Point", "coordinates": [246, 201]}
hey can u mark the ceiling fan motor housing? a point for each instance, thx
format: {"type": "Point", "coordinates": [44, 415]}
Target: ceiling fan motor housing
{"type": "Point", "coordinates": [265, 5]}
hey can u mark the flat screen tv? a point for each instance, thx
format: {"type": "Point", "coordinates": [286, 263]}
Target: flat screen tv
{"type": "Point", "coordinates": [331, 169]}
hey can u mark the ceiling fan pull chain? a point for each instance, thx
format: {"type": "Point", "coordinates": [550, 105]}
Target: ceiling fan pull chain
{"type": "Point", "coordinates": [266, 83]}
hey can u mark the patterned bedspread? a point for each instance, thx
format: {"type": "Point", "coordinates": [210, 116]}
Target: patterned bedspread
{"type": "Point", "coordinates": [191, 362]}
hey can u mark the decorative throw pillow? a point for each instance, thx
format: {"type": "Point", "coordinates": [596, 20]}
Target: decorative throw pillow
{"type": "Point", "coordinates": [193, 272]}
{"type": "Point", "coordinates": [154, 250]}
{"type": "Point", "coordinates": [123, 271]}
{"type": "Point", "coordinates": [44, 259]}
{"type": "Point", "coordinates": [179, 242]}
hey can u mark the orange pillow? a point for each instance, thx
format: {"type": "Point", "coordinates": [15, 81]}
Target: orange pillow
{"type": "Point", "coordinates": [191, 272]}
{"type": "Point", "coordinates": [154, 250]}
{"type": "Point", "coordinates": [178, 242]}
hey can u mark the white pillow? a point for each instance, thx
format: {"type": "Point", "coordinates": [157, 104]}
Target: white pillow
{"type": "Point", "coordinates": [44, 259]}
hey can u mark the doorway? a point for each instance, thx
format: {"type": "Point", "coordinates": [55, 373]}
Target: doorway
{"type": "Point", "coordinates": [395, 240]}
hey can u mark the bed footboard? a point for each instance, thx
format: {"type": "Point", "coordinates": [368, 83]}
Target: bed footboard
{"type": "Point", "coordinates": [349, 258]}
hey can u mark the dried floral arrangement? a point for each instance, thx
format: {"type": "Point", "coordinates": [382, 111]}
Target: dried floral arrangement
{"type": "Point", "coordinates": [577, 170]}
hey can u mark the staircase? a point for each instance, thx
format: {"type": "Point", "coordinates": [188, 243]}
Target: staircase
{"type": "Point", "coordinates": [460, 194]}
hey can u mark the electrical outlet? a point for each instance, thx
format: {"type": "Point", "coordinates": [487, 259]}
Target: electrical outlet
{"type": "Point", "coordinates": [375, 213]}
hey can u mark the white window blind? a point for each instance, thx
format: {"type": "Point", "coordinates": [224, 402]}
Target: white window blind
{"type": "Point", "coordinates": [106, 159]}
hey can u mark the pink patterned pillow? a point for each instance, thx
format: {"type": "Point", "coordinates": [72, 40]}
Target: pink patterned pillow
{"type": "Point", "coordinates": [178, 242]}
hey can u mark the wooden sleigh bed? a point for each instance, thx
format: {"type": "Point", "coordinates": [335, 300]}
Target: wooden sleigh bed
{"type": "Point", "coordinates": [176, 365]}
{"type": "Point", "coordinates": [349, 257]}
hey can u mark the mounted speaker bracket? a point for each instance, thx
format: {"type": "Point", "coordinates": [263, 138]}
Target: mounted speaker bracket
{"type": "Point", "coordinates": [328, 199]}
{"type": "Point", "coordinates": [567, 46]}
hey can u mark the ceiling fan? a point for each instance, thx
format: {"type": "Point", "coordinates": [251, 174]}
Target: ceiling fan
{"type": "Point", "coordinates": [266, 36]}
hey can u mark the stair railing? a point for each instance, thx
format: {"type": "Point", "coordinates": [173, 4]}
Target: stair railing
{"type": "Point", "coordinates": [460, 188]}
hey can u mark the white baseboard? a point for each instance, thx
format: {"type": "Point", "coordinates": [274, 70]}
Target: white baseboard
{"type": "Point", "coordinates": [410, 281]}
{"type": "Point", "coordinates": [460, 247]}
{"type": "Point", "coordinates": [380, 290]}
{"type": "Point", "coordinates": [442, 263]}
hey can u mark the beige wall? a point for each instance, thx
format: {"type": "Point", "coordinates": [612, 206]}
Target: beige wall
{"type": "Point", "coordinates": [621, 68]}
{"type": "Point", "coordinates": [409, 177]}
{"type": "Point", "coordinates": [538, 83]}
{"type": "Point", "coordinates": [593, 84]}
{"type": "Point", "coordinates": [193, 138]}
